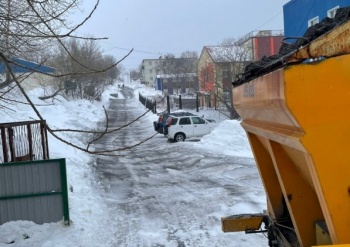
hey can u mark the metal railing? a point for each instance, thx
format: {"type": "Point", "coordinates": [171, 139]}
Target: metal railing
{"type": "Point", "coordinates": [23, 141]}
{"type": "Point", "coordinates": [259, 33]}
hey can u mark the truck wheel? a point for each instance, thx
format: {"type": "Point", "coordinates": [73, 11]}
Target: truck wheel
{"type": "Point", "coordinates": [180, 137]}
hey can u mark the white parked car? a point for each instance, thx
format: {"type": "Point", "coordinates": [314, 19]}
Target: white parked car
{"type": "Point", "coordinates": [178, 128]}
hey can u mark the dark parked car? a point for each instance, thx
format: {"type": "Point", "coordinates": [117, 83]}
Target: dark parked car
{"type": "Point", "coordinates": [159, 124]}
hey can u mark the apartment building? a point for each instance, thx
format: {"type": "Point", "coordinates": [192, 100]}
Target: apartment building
{"type": "Point", "coordinates": [149, 71]}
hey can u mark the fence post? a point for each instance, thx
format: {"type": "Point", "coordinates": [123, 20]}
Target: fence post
{"type": "Point", "coordinates": [180, 102]}
{"type": "Point", "coordinates": [168, 103]}
{"type": "Point", "coordinates": [155, 107]}
{"type": "Point", "coordinates": [43, 123]}
{"type": "Point", "coordinates": [4, 145]}
{"type": "Point", "coordinates": [30, 143]}
{"type": "Point", "coordinates": [197, 101]}
{"type": "Point", "coordinates": [11, 146]}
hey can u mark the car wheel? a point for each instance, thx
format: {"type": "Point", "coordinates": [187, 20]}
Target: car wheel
{"type": "Point", "coordinates": [180, 137]}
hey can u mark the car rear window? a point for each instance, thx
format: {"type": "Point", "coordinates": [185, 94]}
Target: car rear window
{"type": "Point", "coordinates": [163, 118]}
{"type": "Point", "coordinates": [171, 121]}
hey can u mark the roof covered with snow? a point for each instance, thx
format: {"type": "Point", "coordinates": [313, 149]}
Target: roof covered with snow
{"type": "Point", "coordinates": [24, 66]}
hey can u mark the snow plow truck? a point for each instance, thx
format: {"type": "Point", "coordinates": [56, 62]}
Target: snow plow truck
{"type": "Point", "coordinates": [295, 109]}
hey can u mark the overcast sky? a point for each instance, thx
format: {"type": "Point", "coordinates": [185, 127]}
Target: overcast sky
{"type": "Point", "coordinates": [157, 27]}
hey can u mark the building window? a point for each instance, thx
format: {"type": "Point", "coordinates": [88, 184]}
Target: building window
{"type": "Point", "coordinates": [225, 74]}
{"type": "Point", "coordinates": [151, 78]}
{"type": "Point", "coordinates": [313, 21]}
{"type": "Point", "coordinates": [150, 62]}
{"type": "Point", "coordinates": [206, 75]}
{"type": "Point", "coordinates": [331, 13]}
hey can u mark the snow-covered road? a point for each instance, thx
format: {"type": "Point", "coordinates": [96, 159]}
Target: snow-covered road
{"type": "Point", "coordinates": [173, 194]}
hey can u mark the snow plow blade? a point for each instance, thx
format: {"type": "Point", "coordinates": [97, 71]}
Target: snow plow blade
{"type": "Point", "coordinates": [242, 222]}
{"type": "Point", "coordinates": [297, 121]}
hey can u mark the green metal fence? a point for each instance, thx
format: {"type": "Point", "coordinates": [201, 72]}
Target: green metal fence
{"type": "Point", "coordinates": [34, 191]}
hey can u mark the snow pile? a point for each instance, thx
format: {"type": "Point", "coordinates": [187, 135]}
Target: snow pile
{"type": "Point", "coordinates": [236, 144]}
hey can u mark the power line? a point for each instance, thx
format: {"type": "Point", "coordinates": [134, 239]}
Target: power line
{"type": "Point", "coordinates": [139, 51]}
{"type": "Point", "coordinates": [312, 6]}
{"type": "Point", "coordinates": [268, 20]}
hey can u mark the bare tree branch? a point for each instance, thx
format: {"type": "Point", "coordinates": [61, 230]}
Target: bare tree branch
{"type": "Point", "coordinates": [31, 30]}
